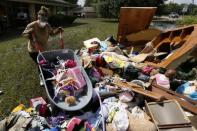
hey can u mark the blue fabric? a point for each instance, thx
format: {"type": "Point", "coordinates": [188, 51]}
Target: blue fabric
{"type": "Point", "coordinates": [55, 129]}
{"type": "Point", "coordinates": [46, 129]}
{"type": "Point", "coordinates": [182, 88]}
{"type": "Point", "coordinates": [193, 96]}
{"type": "Point", "coordinates": [103, 45]}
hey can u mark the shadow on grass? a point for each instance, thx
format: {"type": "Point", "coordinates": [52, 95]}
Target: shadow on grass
{"type": "Point", "coordinates": [75, 24]}
{"type": "Point", "coordinates": [110, 20]}
{"type": "Point", "coordinates": [10, 34]}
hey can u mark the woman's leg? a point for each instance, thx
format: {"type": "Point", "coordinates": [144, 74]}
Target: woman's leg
{"type": "Point", "coordinates": [34, 55]}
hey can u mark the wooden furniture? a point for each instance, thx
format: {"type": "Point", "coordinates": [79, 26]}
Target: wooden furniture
{"type": "Point", "coordinates": [168, 116]}
{"type": "Point", "coordinates": [184, 101]}
{"type": "Point", "coordinates": [133, 20]}
{"type": "Point", "coordinates": [180, 43]}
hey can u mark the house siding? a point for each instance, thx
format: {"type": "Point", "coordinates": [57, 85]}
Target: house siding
{"type": "Point", "coordinates": [31, 7]}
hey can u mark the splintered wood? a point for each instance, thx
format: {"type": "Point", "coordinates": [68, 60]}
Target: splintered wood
{"type": "Point", "coordinates": [137, 89]}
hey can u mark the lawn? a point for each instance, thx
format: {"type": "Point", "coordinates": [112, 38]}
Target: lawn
{"type": "Point", "coordinates": [19, 77]}
{"type": "Point", "coordinates": [187, 20]}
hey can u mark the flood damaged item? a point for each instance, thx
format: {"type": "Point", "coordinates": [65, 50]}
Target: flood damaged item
{"type": "Point", "coordinates": [140, 121]}
{"type": "Point", "coordinates": [83, 97]}
{"type": "Point", "coordinates": [92, 43]}
{"type": "Point", "coordinates": [179, 43]}
{"type": "Point", "coordinates": [188, 89]}
{"type": "Point", "coordinates": [106, 71]}
{"type": "Point", "coordinates": [168, 49]}
{"type": "Point", "coordinates": [133, 20]}
{"type": "Point", "coordinates": [184, 101]}
{"type": "Point", "coordinates": [138, 39]}
{"type": "Point", "coordinates": [37, 101]}
{"type": "Point", "coordinates": [138, 89]}
{"type": "Point", "coordinates": [168, 116]}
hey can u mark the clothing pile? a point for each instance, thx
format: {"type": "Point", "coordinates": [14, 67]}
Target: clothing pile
{"type": "Point", "coordinates": [39, 117]}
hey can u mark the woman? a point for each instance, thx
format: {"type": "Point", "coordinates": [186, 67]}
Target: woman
{"type": "Point", "coordinates": [41, 31]}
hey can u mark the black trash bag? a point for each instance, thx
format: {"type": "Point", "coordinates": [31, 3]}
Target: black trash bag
{"type": "Point", "coordinates": [130, 73]}
{"type": "Point", "coordinates": [140, 100]}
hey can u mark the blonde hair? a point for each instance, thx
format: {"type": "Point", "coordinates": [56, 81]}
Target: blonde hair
{"type": "Point", "coordinates": [43, 11]}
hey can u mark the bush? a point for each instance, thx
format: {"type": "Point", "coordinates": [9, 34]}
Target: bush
{"type": "Point", "coordinates": [61, 20]}
{"type": "Point", "coordinates": [187, 20]}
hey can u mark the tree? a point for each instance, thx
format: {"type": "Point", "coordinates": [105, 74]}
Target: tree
{"type": "Point", "coordinates": [110, 8]}
{"type": "Point", "coordinates": [191, 9]}
{"type": "Point", "coordinates": [72, 1]}
{"type": "Point", "coordinates": [88, 2]}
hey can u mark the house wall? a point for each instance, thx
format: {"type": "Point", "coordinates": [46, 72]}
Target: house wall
{"type": "Point", "coordinates": [2, 9]}
{"type": "Point", "coordinates": [32, 12]}
{"type": "Point", "coordinates": [90, 15]}
{"type": "Point", "coordinates": [12, 8]}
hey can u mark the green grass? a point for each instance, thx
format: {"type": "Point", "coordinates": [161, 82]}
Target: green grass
{"type": "Point", "coordinates": [19, 77]}
{"type": "Point", "coordinates": [187, 20]}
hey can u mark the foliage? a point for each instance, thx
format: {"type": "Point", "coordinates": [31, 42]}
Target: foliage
{"type": "Point", "coordinates": [187, 20]}
{"type": "Point", "coordinates": [61, 20]}
{"type": "Point", "coordinates": [88, 3]}
{"type": "Point", "coordinates": [192, 9]}
{"type": "Point", "coordinates": [166, 9]}
{"type": "Point", "coordinates": [110, 8]}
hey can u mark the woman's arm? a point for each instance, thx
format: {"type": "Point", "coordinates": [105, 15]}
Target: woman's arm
{"type": "Point", "coordinates": [28, 30]}
{"type": "Point", "coordinates": [55, 31]}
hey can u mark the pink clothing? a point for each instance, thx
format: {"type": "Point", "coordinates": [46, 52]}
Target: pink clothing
{"type": "Point", "coordinates": [162, 80]}
{"type": "Point", "coordinates": [77, 75]}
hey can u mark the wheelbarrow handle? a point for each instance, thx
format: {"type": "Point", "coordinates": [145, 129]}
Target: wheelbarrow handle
{"type": "Point", "coordinates": [61, 40]}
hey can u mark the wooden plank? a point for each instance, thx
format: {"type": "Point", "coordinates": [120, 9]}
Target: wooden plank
{"type": "Point", "coordinates": [138, 89]}
{"type": "Point", "coordinates": [174, 93]}
{"type": "Point", "coordinates": [185, 104]}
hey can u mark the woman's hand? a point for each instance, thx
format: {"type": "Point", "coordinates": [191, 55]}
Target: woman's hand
{"type": "Point", "coordinates": [27, 33]}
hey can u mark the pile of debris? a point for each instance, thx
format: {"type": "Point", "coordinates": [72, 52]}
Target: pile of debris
{"type": "Point", "coordinates": [123, 73]}
{"type": "Point", "coordinates": [134, 88]}
{"type": "Point", "coordinates": [128, 95]}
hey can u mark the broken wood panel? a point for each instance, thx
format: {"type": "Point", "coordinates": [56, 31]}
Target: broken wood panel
{"type": "Point", "coordinates": [134, 19]}
{"type": "Point", "coordinates": [138, 89]}
{"type": "Point", "coordinates": [174, 93]}
{"type": "Point", "coordinates": [168, 115]}
{"type": "Point", "coordinates": [186, 105]}
{"type": "Point", "coordinates": [182, 41]}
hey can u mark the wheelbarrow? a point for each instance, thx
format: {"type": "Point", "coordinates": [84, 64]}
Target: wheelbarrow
{"type": "Point", "coordinates": [47, 72]}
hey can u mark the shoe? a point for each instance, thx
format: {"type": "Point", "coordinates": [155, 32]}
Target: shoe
{"type": "Point", "coordinates": [41, 81]}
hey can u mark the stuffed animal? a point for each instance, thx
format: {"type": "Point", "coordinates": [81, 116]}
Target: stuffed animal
{"type": "Point", "coordinates": [70, 100]}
